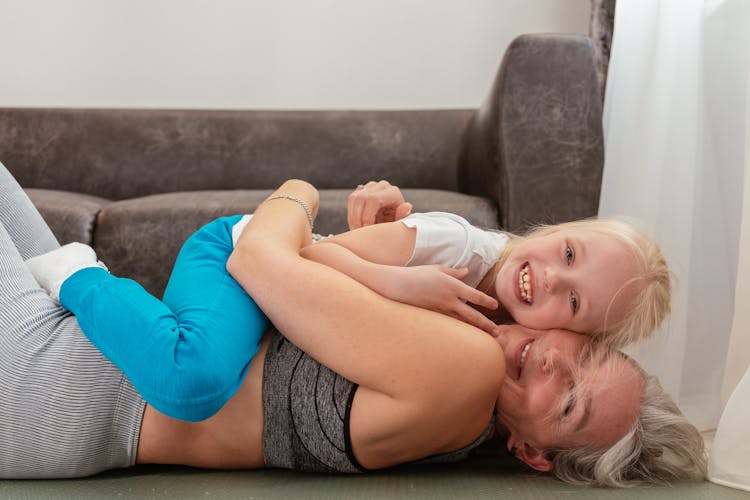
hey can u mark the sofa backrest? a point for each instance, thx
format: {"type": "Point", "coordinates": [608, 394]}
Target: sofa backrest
{"type": "Point", "coordinates": [125, 153]}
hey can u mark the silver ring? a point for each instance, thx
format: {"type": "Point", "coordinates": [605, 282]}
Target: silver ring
{"type": "Point", "coordinates": [361, 187]}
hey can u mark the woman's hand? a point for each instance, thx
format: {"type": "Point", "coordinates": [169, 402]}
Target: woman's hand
{"type": "Point", "coordinates": [440, 289]}
{"type": "Point", "coordinates": [376, 202]}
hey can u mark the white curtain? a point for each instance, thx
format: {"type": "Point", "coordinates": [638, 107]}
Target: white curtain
{"type": "Point", "coordinates": [676, 134]}
{"type": "Point", "coordinates": [731, 447]}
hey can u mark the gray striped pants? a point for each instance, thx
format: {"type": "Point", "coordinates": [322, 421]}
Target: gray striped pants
{"type": "Point", "coordinates": [65, 411]}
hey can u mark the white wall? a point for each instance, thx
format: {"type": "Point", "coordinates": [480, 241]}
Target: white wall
{"type": "Point", "coordinates": [264, 53]}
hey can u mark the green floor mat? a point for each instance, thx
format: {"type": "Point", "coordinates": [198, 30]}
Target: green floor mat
{"type": "Point", "coordinates": [472, 480]}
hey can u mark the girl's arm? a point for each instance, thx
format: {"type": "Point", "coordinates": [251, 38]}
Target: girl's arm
{"type": "Point", "coordinates": [434, 287]}
{"type": "Point", "coordinates": [389, 243]}
{"type": "Point", "coordinates": [374, 203]}
{"type": "Point", "coordinates": [375, 256]}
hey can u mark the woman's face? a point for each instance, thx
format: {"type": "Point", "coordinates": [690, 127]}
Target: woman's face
{"type": "Point", "coordinates": [567, 279]}
{"type": "Point", "coordinates": [540, 406]}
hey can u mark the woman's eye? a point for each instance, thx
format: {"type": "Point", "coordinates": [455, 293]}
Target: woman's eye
{"type": "Point", "coordinates": [569, 255]}
{"type": "Point", "coordinates": [573, 302]}
{"type": "Point", "coordinates": [569, 406]}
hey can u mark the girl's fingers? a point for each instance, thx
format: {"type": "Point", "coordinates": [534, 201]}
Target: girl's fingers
{"type": "Point", "coordinates": [474, 317]}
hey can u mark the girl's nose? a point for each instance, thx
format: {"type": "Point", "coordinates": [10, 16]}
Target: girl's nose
{"type": "Point", "coordinates": [551, 280]}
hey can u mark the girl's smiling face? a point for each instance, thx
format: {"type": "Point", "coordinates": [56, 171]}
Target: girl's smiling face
{"type": "Point", "coordinates": [568, 279]}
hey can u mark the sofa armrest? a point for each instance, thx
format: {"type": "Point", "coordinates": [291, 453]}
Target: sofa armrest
{"type": "Point", "coordinates": [536, 144]}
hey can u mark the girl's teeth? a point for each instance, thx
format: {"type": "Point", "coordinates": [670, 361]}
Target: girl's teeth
{"type": "Point", "coordinates": [524, 284]}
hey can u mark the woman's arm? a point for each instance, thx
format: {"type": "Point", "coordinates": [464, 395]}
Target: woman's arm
{"type": "Point", "coordinates": [398, 350]}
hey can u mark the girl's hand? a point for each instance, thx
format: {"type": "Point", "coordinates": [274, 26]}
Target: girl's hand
{"type": "Point", "coordinates": [376, 202]}
{"type": "Point", "coordinates": [440, 289]}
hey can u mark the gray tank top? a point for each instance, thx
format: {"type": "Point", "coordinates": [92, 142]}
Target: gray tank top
{"type": "Point", "coordinates": [306, 409]}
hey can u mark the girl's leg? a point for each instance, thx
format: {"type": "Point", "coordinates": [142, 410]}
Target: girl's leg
{"type": "Point", "coordinates": [188, 354]}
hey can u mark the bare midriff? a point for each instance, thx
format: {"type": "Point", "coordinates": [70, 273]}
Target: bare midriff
{"type": "Point", "coordinates": [231, 439]}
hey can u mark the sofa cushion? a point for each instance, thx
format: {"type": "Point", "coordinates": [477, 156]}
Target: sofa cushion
{"type": "Point", "coordinates": [140, 238]}
{"type": "Point", "coordinates": [71, 216]}
{"type": "Point", "coordinates": [481, 212]}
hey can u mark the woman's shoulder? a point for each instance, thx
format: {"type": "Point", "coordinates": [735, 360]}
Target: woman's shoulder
{"type": "Point", "coordinates": [449, 411]}
{"type": "Point", "coordinates": [384, 433]}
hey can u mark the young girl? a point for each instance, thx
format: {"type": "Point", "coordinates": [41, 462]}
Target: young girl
{"type": "Point", "coordinates": [600, 276]}
{"type": "Point", "coordinates": [188, 354]}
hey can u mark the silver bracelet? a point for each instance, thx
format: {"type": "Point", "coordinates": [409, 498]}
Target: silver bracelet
{"type": "Point", "coordinates": [295, 199]}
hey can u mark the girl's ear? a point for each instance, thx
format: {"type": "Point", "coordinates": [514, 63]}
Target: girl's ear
{"type": "Point", "coordinates": [533, 457]}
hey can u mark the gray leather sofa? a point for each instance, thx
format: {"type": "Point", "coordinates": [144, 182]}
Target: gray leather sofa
{"type": "Point", "coordinates": [134, 183]}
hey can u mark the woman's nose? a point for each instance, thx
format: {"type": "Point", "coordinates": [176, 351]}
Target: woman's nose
{"type": "Point", "coordinates": [548, 360]}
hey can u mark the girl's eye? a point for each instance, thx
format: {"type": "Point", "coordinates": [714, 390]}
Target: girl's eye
{"type": "Point", "coordinates": [573, 302]}
{"type": "Point", "coordinates": [569, 255]}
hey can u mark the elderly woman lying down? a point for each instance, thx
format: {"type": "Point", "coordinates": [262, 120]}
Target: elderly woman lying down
{"type": "Point", "coordinates": [346, 380]}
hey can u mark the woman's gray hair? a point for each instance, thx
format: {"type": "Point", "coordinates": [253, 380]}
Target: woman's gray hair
{"type": "Point", "coordinates": [661, 446]}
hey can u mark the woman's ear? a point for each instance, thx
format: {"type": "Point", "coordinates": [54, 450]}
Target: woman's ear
{"type": "Point", "coordinates": [533, 457]}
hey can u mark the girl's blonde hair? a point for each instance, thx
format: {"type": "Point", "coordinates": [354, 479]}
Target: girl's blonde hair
{"type": "Point", "coordinates": [654, 277]}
